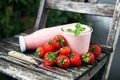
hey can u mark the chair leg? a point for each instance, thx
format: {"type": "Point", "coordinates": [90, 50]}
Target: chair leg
{"type": "Point", "coordinates": [107, 67]}
{"type": "Point", "coordinates": [98, 75]}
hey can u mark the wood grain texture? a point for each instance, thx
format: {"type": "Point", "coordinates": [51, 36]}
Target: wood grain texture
{"type": "Point", "coordinates": [21, 73]}
{"type": "Point", "coordinates": [115, 27]}
{"type": "Point", "coordinates": [80, 7]}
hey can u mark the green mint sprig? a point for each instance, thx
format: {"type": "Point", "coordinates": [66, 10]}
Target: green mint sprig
{"type": "Point", "coordinates": [78, 29]}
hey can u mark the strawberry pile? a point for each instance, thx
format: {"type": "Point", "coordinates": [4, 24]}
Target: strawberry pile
{"type": "Point", "coordinates": [57, 52]}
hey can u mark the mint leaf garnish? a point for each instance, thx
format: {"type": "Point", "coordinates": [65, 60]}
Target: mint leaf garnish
{"type": "Point", "coordinates": [78, 29]}
{"type": "Point", "coordinates": [82, 29]}
{"type": "Point", "coordinates": [77, 32]}
{"type": "Point", "coordinates": [70, 30]}
{"type": "Point", "coordinates": [78, 25]}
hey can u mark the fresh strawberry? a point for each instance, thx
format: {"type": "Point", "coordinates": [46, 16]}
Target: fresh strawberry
{"type": "Point", "coordinates": [48, 47]}
{"type": "Point", "coordinates": [88, 58]}
{"type": "Point", "coordinates": [49, 58]}
{"type": "Point", "coordinates": [96, 49]}
{"type": "Point", "coordinates": [75, 59]}
{"type": "Point", "coordinates": [65, 50]}
{"type": "Point", "coordinates": [59, 41]}
{"type": "Point", "coordinates": [40, 51]}
{"type": "Point", "coordinates": [63, 61]}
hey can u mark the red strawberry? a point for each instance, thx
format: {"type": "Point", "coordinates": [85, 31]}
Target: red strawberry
{"type": "Point", "coordinates": [96, 49]}
{"type": "Point", "coordinates": [59, 41]}
{"type": "Point", "coordinates": [88, 58]}
{"type": "Point", "coordinates": [48, 47]}
{"type": "Point", "coordinates": [40, 51]}
{"type": "Point", "coordinates": [65, 50]}
{"type": "Point", "coordinates": [49, 58]}
{"type": "Point", "coordinates": [63, 61]}
{"type": "Point", "coordinates": [75, 59]}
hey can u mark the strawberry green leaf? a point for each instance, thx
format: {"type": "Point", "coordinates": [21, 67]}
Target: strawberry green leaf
{"type": "Point", "coordinates": [60, 40]}
{"type": "Point", "coordinates": [70, 55]}
{"type": "Point", "coordinates": [50, 42]}
{"type": "Point", "coordinates": [86, 57]}
{"type": "Point", "coordinates": [50, 56]}
{"type": "Point", "coordinates": [62, 61]}
{"type": "Point", "coordinates": [92, 50]}
{"type": "Point", "coordinates": [38, 52]}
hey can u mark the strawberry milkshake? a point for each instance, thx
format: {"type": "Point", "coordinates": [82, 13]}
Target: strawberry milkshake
{"type": "Point", "coordinates": [78, 43]}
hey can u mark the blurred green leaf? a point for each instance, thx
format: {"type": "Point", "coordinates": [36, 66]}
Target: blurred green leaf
{"type": "Point", "coordinates": [13, 13]}
{"type": "Point", "coordinates": [24, 2]}
{"type": "Point", "coordinates": [16, 1]}
{"type": "Point", "coordinates": [9, 1]}
{"type": "Point", "coordinates": [9, 10]}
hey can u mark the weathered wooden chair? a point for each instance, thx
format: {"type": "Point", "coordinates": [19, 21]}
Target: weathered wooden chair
{"type": "Point", "coordinates": [23, 71]}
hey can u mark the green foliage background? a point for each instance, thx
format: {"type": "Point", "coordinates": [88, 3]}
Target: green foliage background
{"type": "Point", "coordinates": [19, 15]}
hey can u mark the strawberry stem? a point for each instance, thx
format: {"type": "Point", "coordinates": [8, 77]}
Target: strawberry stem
{"type": "Point", "coordinates": [38, 52]}
{"type": "Point", "coordinates": [50, 56]}
{"type": "Point", "coordinates": [49, 42]}
{"type": "Point", "coordinates": [86, 57]}
{"type": "Point", "coordinates": [71, 55]}
{"type": "Point", "coordinates": [60, 40]}
{"type": "Point", "coordinates": [62, 61]}
{"type": "Point", "coordinates": [93, 50]}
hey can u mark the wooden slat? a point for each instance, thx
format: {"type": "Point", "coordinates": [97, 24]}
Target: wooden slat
{"type": "Point", "coordinates": [78, 0]}
{"type": "Point", "coordinates": [113, 37]}
{"type": "Point", "coordinates": [41, 16]}
{"type": "Point", "coordinates": [44, 17]}
{"type": "Point", "coordinates": [80, 7]}
{"type": "Point", "coordinates": [22, 73]}
{"type": "Point", "coordinates": [98, 67]}
{"type": "Point", "coordinates": [40, 13]}
{"type": "Point", "coordinates": [92, 1]}
{"type": "Point", "coordinates": [114, 30]}
{"type": "Point", "coordinates": [61, 76]}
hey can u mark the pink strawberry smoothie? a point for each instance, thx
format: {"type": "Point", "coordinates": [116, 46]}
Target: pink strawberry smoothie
{"type": "Point", "coordinates": [79, 43]}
